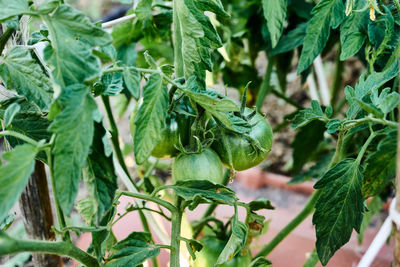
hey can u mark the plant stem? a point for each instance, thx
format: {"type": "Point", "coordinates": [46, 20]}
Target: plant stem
{"type": "Point", "coordinates": [114, 138]}
{"type": "Point", "coordinates": [175, 233]}
{"type": "Point", "coordinates": [114, 22]}
{"type": "Point", "coordinates": [365, 146]}
{"type": "Point", "coordinates": [9, 245]}
{"type": "Point", "coordinates": [146, 228]}
{"type": "Point", "coordinates": [337, 78]}
{"type": "Point", "coordinates": [4, 38]}
{"type": "Point", "coordinates": [59, 212]}
{"type": "Point", "coordinates": [265, 85]}
{"type": "Point", "coordinates": [307, 210]}
{"type": "Point", "coordinates": [160, 202]}
{"type": "Point", "coordinates": [20, 136]}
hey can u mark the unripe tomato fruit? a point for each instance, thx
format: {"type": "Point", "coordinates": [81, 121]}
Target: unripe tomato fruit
{"type": "Point", "coordinates": [205, 165]}
{"type": "Point", "coordinates": [176, 126]}
{"type": "Point", "coordinates": [212, 247]}
{"type": "Point", "coordinates": [244, 156]}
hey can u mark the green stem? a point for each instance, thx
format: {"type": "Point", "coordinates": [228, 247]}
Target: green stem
{"type": "Point", "coordinates": [20, 136]}
{"type": "Point", "coordinates": [307, 210]}
{"type": "Point", "coordinates": [60, 215]}
{"type": "Point", "coordinates": [354, 123]}
{"type": "Point", "coordinates": [120, 69]}
{"type": "Point", "coordinates": [4, 38]}
{"type": "Point", "coordinates": [265, 85]}
{"type": "Point", "coordinates": [365, 146]}
{"type": "Point", "coordinates": [9, 245]}
{"type": "Point", "coordinates": [176, 233]}
{"type": "Point", "coordinates": [337, 78]}
{"type": "Point", "coordinates": [160, 202]}
{"type": "Point", "coordinates": [146, 228]}
{"type": "Point", "coordinates": [114, 138]}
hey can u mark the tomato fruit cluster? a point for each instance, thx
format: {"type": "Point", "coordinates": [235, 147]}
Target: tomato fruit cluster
{"type": "Point", "coordinates": [207, 163]}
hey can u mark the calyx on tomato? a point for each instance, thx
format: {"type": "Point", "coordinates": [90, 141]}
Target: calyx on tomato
{"type": "Point", "coordinates": [244, 153]}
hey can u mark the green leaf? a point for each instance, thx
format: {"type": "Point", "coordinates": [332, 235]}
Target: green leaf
{"type": "Point", "coordinates": [74, 129]}
{"type": "Point", "coordinates": [20, 72]}
{"type": "Point", "coordinates": [386, 101]}
{"type": "Point", "coordinates": [374, 208]}
{"type": "Point", "coordinates": [193, 246]}
{"type": "Point", "coordinates": [292, 40]}
{"type": "Point", "coordinates": [29, 121]}
{"type": "Point", "coordinates": [75, 25]}
{"type": "Point", "coordinates": [198, 36]}
{"type": "Point", "coordinates": [48, 6]}
{"type": "Point", "coordinates": [305, 143]}
{"type": "Point", "coordinates": [260, 262]}
{"type": "Point", "coordinates": [112, 83]}
{"type": "Point", "coordinates": [275, 14]}
{"type": "Point", "coordinates": [307, 115]}
{"type": "Point", "coordinates": [87, 208]}
{"type": "Point", "coordinates": [326, 14]}
{"type": "Point", "coordinates": [333, 125]}
{"type": "Point", "coordinates": [13, 8]}
{"type": "Point", "coordinates": [132, 251]}
{"type": "Point", "coordinates": [202, 191]}
{"type": "Point", "coordinates": [10, 113]}
{"type": "Point", "coordinates": [369, 108]}
{"type": "Point", "coordinates": [102, 178]}
{"type": "Point", "coordinates": [353, 32]}
{"type": "Point", "coordinates": [380, 166]}
{"type": "Point", "coordinates": [236, 241]}
{"type": "Point", "coordinates": [339, 208]}
{"type": "Point", "coordinates": [72, 35]}
{"type": "Point", "coordinates": [15, 175]}
{"type": "Point", "coordinates": [150, 119]}
{"type": "Point", "coordinates": [132, 81]}
{"type": "Point", "coordinates": [260, 204]}
{"type": "Point", "coordinates": [367, 85]}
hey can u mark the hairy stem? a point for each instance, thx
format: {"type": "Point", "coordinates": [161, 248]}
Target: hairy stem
{"type": "Point", "coordinates": [9, 245]}
{"type": "Point", "coordinates": [60, 215]}
{"type": "Point", "coordinates": [175, 233]}
{"type": "Point", "coordinates": [160, 202]}
{"type": "Point", "coordinates": [337, 78]}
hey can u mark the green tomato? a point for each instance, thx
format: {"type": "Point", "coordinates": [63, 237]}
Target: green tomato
{"type": "Point", "coordinates": [176, 126]}
{"type": "Point", "coordinates": [212, 247]}
{"type": "Point", "coordinates": [205, 165]}
{"type": "Point", "coordinates": [244, 156]}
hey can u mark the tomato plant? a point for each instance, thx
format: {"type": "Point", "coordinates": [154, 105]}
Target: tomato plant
{"type": "Point", "coordinates": [64, 77]}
